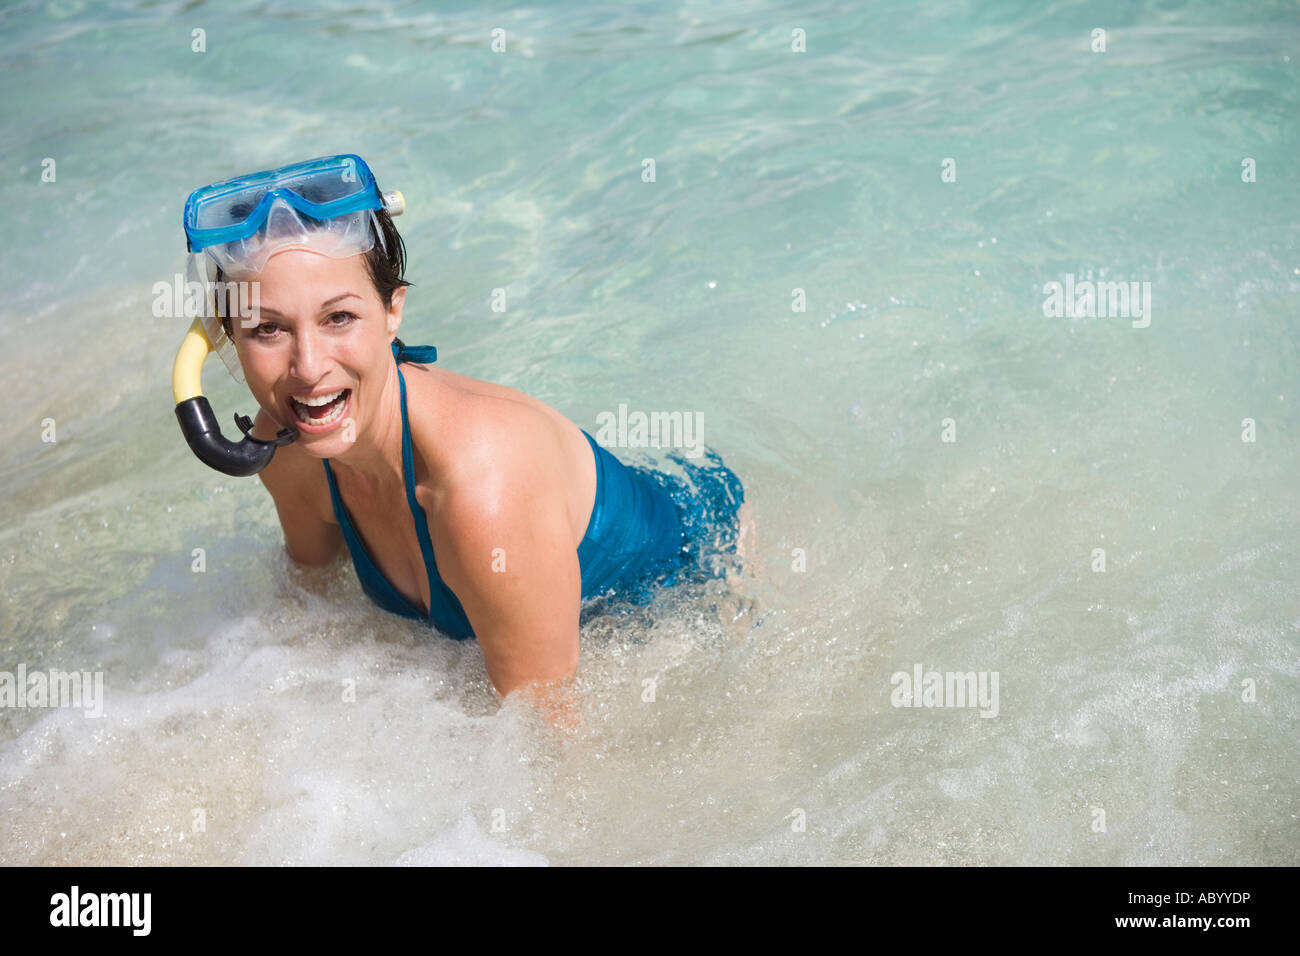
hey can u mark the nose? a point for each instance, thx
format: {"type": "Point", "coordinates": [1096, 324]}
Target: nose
{"type": "Point", "coordinates": [310, 356]}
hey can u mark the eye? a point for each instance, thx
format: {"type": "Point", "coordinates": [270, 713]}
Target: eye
{"type": "Point", "coordinates": [346, 317]}
{"type": "Point", "coordinates": [258, 333]}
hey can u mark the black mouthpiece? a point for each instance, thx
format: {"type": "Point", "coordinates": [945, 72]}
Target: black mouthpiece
{"type": "Point", "coordinates": [240, 459]}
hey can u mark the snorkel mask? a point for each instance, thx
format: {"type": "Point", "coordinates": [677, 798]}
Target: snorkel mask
{"type": "Point", "coordinates": [327, 205]}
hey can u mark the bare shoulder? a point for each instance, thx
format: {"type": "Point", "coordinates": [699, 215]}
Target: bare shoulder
{"type": "Point", "coordinates": [497, 451]}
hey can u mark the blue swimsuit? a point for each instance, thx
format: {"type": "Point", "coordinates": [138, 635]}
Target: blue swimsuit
{"type": "Point", "coordinates": [645, 527]}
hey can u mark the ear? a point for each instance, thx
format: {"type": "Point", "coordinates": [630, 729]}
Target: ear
{"type": "Point", "coordinates": [395, 311]}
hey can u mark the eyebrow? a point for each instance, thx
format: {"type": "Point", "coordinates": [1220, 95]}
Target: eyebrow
{"type": "Point", "coordinates": [266, 310]}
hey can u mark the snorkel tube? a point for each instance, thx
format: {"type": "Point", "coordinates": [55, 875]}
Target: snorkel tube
{"type": "Point", "coordinates": [240, 459]}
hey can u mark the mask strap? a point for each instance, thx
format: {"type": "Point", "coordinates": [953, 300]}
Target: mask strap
{"type": "Point", "coordinates": [383, 244]}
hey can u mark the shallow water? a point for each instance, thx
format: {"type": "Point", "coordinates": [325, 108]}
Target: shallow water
{"type": "Point", "coordinates": [256, 714]}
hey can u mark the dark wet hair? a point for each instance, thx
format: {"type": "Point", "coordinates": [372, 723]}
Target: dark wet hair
{"type": "Point", "coordinates": [386, 268]}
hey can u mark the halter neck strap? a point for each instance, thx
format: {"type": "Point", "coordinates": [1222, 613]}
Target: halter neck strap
{"type": "Point", "coordinates": [413, 353]}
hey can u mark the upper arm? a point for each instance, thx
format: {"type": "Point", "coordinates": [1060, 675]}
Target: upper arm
{"type": "Point", "coordinates": [291, 481]}
{"type": "Point", "coordinates": [506, 551]}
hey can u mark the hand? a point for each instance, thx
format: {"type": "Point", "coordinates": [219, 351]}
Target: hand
{"type": "Point", "coordinates": [556, 702]}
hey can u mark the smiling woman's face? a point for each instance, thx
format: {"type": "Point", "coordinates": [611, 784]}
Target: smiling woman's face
{"type": "Point", "coordinates": [322, 329]}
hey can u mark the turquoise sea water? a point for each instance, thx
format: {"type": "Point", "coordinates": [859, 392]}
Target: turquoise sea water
{"type": "Point", "coordinates": [1147, 713]}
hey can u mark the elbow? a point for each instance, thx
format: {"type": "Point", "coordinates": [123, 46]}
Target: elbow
{"type": "Point", "coordinates": [311, 557]}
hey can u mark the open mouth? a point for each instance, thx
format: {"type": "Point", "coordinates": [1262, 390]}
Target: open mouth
{"type": "Point", "coordinates": [321, 411]}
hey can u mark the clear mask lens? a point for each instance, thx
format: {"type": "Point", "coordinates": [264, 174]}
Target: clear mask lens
{"type": "Point", "coordinates": [340, 237]}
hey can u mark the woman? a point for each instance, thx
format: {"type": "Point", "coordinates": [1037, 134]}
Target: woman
{"type": "Point", "coordinates": [470, 506]}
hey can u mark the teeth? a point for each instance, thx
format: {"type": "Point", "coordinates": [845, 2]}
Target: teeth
{"type": "Point", "coordinates": [322, 400]}
{"type": "Point", "coordinates": [333, 416]}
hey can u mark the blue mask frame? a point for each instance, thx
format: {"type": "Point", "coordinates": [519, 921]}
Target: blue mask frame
{"type": "Point", "coordinates": [321, 188]}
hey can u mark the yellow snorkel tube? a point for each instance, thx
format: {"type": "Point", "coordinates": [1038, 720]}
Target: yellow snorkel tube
{"type": "Point", "coordinates": [199, 425]}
